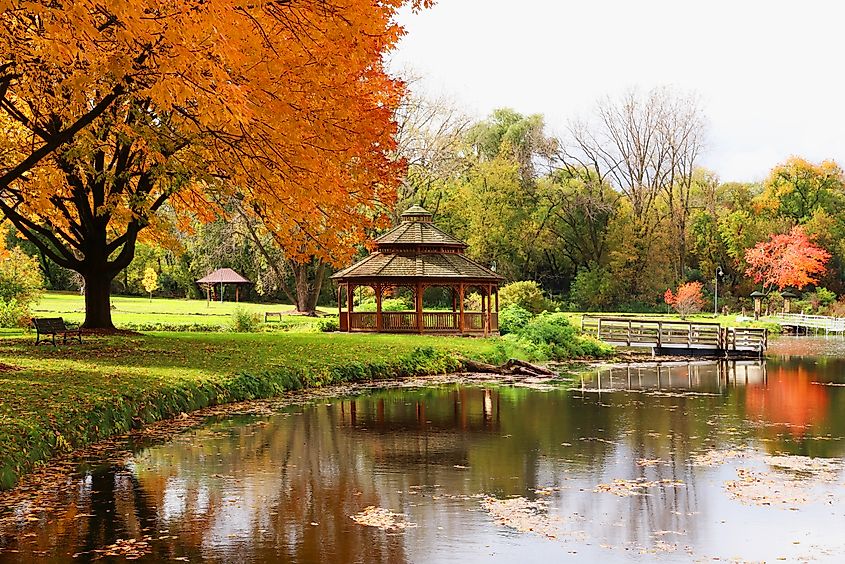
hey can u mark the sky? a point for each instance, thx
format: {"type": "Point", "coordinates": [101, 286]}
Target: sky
{"type": "Point", "coordinates": [769, 74]}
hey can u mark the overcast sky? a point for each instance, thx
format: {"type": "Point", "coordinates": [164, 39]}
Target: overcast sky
{"type": "Point", "coordinates": [769, 73]}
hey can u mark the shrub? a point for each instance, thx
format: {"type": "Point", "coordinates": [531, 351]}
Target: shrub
{"type": "Point", "coordinates": [551, 336]}
{"type": "Point", "coordinates": [526, 294]}
{"type": "Point", "coordinates": [387, 304]}
{"type": "Point", "coordinates": [328, 324]}
{"type": "Point", "coordinates": [593, 290]}
{"type": "Point", "coordinates": [20, 277]}
{"type": "Point", "coordinates": [245, 322]}
{"type": "Point", "coordinates": [14, 314]}
{"type": "Point", "coordinates": [513, 318]}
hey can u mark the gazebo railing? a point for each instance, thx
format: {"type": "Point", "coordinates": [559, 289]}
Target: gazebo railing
{"type": "Point", "coordinates": [407, 322]}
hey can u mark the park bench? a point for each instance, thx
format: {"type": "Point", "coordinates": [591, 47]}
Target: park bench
{"type": "Point", "coordinates": [269, 314]}
{"type": "Point", "coordinates": [54, 326]}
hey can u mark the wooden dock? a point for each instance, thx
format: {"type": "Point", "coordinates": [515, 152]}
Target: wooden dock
{"type": "Point", "coordinates": [678, 337]}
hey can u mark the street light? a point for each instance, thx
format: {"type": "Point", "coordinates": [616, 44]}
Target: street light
{"type": "Point", "coordinates": [716, 293]}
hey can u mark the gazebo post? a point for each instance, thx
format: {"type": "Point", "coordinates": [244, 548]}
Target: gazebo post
{"type": "Point", "coordinates": [485, 306]}
{"type": "Point", "coordinates": [339, 303]}
{"type": "Point", "coordinates": [379, 322]}
{"type": "Point", "coordinates": [237, 293]}
{"type": "Point", "coordinates": [487, 329]}
{"type": "Point", "coordinates": [349, 290]}
{"type": "Point", "coordinates": [461, 303]}
{"type": "Point", "coordinates": [420, 307]}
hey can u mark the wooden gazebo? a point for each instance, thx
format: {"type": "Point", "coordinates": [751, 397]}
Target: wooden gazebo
{"type": "Point", "coordinates": [222, 277]}
{"type": "Point", "coordinates": [417, 255]}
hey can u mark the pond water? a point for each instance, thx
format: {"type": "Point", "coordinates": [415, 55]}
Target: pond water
{"type": "Point", "coordinates": [672, 463]}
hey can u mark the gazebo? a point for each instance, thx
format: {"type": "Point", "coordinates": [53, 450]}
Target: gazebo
{"type": "Point", "coordinates": [221, 277]}
{"type": "Point", "coordinates": [417, 255]}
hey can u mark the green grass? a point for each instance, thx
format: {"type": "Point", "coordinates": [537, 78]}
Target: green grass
{"type": "Point", "coordinates": [59, 398]}
{"type": "Point", "coordinates": [132, 312]}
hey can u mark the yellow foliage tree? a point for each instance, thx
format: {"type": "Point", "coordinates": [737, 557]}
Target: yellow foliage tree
{"type": "Point", "coordinates": [150, 281]}
{"type": "Point", "coordinates": [112, 110]}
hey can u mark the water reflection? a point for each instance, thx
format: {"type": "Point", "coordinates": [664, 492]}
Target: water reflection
{"type": "Point", "coordinates": [283, 488]}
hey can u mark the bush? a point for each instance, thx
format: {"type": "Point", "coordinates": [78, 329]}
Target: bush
{"type": "Point", "coordinates": [14, 314]}
{"type": "Point", "coordinates": [387, 304]}
{"type": "Point", "coordinates": [593, 290]}
{"type": "Point", "coordinates": [173, 327]}
{"type": "Point", "coordinates": [245, 322]}
{"type": "Point", "coordinates": [551, 336]}
{"type": "Point", "coordinates": [526, 294]}
{"type": "Point", "coordinates": [513, 318]}
{"type": "Point", "coordinates": [328, 324]}
{"type": "Point", "coordinates": [20, 277]}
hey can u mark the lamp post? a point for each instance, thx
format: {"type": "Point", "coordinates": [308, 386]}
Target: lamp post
{"type": "Point", "coordinates": [716, 292]}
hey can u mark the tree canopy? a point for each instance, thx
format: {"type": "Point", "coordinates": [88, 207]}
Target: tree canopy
{"type": "Point", "coordinates": [111, 111]}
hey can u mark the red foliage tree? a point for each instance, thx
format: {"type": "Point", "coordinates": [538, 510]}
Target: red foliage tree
{"type": "Point", "coordinates": [789, 259]}
{"type": "Point", "coordinates": [688, 299]}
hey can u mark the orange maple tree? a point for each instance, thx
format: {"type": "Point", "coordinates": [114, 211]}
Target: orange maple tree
{"type": "Point", "coordinates": [112, 112]}
{"type": "Point", "coordinates": [688, 298]}
{"type": "Point", "coordinates": [786, 259]}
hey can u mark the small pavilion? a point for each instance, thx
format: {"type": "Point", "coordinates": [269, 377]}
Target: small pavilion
{"type": "Point", "coordinates": [220, 278]}
{"type": "Point", "coordinates": [417, 255]}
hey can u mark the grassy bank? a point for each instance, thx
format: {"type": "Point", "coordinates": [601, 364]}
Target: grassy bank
{"type": "Point", "coordinates": [55, 399]}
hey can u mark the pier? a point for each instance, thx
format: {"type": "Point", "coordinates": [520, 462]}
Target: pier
{"type": "Point", "coordinates": [678, 337]}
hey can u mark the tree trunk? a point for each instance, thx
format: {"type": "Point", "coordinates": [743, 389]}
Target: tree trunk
{"type": "Point", "coordinates": [97, 300]}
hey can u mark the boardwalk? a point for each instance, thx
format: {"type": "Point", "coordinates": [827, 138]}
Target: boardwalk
{"type": "Point", "coordinates": [809, 323]}
{"type": "Point", "coordinates": [678, 337]}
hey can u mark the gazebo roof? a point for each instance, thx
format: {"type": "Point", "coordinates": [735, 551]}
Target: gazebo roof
{"type": "Point", "coordinates": [224, 276]}
{"type": "Point", "coordinates": [418, 233]}
{"type": "Point", "coordinates": [417, 249]}
{"type": "Point", "coordinates": [452, 266]}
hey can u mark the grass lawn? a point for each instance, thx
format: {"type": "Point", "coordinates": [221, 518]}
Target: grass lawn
{"type": "Point", "coordinates": [137, 312]}
{"type": "Point", "coordinates": [54, 399]}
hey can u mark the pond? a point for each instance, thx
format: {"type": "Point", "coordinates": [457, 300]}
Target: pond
{"type": "Point", "coordinates": [677, 462]}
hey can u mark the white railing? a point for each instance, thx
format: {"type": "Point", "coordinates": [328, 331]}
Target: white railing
{"type": "Point", "coordinates": [820, 322]}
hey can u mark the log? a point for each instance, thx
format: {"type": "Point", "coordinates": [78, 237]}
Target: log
{"type": "Point", "coordinates": [512, 366]}
{"type": "Point", "coordinates": [475, 366]}
{"type": "Point", "coordinates": [512, 363]}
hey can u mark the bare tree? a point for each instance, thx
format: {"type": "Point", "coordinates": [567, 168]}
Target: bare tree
{"type": "Point", "coordinates": [430, 136]}
{"type": "Point", "coordinates": [646, 147]}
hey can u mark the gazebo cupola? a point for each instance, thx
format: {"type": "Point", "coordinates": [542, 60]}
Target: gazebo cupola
{"type": "Point", "coordinates": [418, 255]}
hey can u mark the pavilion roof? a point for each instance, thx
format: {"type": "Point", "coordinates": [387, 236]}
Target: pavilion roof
{"type": "Point", "coordinates": [416, 233]}
{"type": "Point", "coordinates": [452, 266]}
{"type": "Point", "coordinates": [224, 276]}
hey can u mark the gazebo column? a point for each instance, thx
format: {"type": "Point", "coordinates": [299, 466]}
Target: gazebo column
{"type": "Point", "coordinates": [379, 323]}
{"type": "Point", "coordinates": [485, 301]}
{"type": "Point", "coordinates": [461, 303]}
{"type": "Point", "coordinates": [339, 302]}
{"type": "Point", "coordinates": [349, 290]}
{"type": "Point", "coordinates": [237, 293]}
{"type": "Point", "coordinates": [419, 296]}
{"type": "Point", "coordinates": [497, 308]}
{"type": "Point", "coordinates": [488, 317]}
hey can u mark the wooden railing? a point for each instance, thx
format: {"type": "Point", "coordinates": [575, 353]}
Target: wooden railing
{"type": "Point", "coordinates": [408, 322]}
{"type": "Point", "coordinates": [816, 322]}
{"type": "Point", "coordinates": [630, 332]}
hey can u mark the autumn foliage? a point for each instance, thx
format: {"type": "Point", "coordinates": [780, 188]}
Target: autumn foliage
{"type": "Point", "coordinates": [113, 113]}
{"type": "Point", "coordinates": [790, 259]}
{"type": "Point", "coordinates": [687, 300]}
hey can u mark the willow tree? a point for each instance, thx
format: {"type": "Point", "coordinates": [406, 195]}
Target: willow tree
{"type": "Point", "coordinates": [112, 110]}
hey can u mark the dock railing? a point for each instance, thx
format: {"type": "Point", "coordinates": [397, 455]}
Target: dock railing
{"type": "Point", "coordinates": [660, 334]}
{"type": "Point", "coordinates": [816, 322]}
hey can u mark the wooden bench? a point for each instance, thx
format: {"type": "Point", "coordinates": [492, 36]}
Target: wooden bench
{"type": "Point", "coordinates": [54, 326]}
{"type": "Point", "coordinates": [269, 314]}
